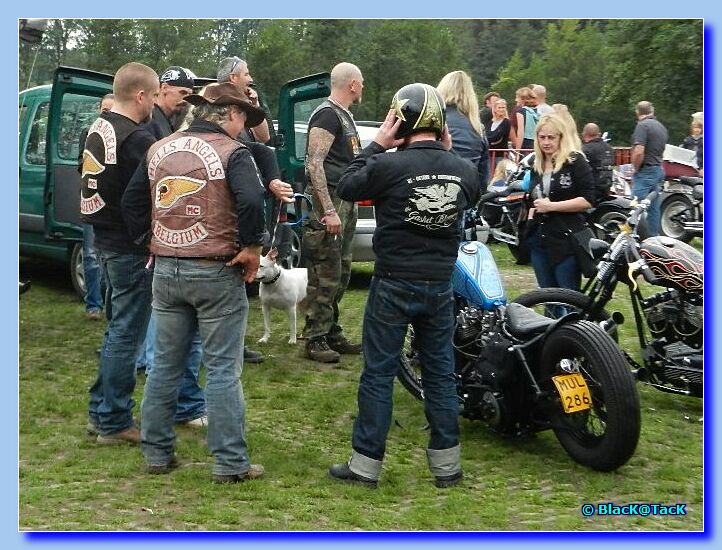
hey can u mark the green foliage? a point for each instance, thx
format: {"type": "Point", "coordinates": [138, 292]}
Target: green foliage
{"type": "Point", "coordinates": [600, 69]}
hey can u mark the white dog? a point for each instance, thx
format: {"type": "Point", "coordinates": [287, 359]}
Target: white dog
{"type": "Point", "coordinates": [282, 289]}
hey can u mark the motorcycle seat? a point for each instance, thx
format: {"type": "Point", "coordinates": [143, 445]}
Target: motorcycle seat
{"type": "Point", "coordinates": [523, 322]}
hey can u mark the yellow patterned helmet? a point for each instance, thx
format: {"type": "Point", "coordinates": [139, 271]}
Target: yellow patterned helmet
{"type": "Point", "coordinates": [420, 107]}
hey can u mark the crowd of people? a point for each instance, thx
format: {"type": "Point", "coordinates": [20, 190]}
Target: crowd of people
{"type": "Point", "coordinates": [173, 189]}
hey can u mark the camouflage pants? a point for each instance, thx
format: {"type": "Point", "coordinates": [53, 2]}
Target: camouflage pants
{"type": "Point", "coordinates": [328, 259]}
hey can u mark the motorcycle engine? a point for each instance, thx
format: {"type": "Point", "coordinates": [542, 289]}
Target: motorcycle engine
{"type": "Point", "coordinates": [486, 369]}
{"type": "Point", "coordinates": [676, 316]}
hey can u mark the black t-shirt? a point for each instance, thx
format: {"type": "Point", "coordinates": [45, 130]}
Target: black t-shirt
{"type": "Point", "coordinates": [345, 145]}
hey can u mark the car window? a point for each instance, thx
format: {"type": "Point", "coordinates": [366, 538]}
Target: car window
{"type": "Point", "coordinates": [77, 113]}
{"type": "Point", "coordinates": [301, 113]}
{"type": "Point", "coordinates": [35, 150]}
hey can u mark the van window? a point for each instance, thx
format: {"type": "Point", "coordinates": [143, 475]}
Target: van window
{"type": "Point", "coordinates": [77, 113]}
{"type": "Point", "coordinates": [301, 113]}
{"type": "Point", "coordinates": [35, 151]}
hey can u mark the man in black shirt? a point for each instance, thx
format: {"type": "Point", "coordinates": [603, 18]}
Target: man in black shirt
{"type": "Point", "coordinates": [419, 191]}
{"type": "Point", "coordinates": [328, 233]}
{"type": "Point", "coordinates": [115, 145]}
{"type": "Point", "coordinates": [176, 83]}
{"type": "Point", "coordinates": [601, 158]}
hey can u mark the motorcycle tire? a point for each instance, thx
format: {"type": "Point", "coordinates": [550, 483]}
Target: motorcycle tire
{"type": "Point", "coordinates": [673, 206]}
{"type": "Point", "coordinates": [556, 302]}
{"type": "Point", "coordinates": [605, 221]}
{"type": "Point", "coordinates": [605, 436]}
{"type": "Point", "coordinates": [410, 371]}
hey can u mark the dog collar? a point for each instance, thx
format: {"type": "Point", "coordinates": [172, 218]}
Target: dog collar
{"type": "Point", "coordinates": [272, 280]}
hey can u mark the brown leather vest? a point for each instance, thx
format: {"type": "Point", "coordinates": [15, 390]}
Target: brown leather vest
{"type": "Point", "coordinates": [194, 213]}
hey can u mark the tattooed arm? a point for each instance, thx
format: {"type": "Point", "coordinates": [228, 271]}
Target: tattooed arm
{"type": "Point", "coordinates": [319, 144]}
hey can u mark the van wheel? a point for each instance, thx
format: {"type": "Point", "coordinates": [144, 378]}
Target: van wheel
{"type": "Point", "coordinates": [77, 274]}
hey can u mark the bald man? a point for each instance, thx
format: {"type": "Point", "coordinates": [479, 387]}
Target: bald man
{"type": "Point", "coordinates": [328, 233]}
{"type": "Point", "coordinates": [114, 148]}
{"type": "Point", "coordinates": [601, 158]}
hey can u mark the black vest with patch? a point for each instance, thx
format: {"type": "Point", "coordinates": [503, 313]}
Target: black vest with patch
{"type": "Point", "coordinates": [335, 163]}
{"type": "Point", "coordinates": [102, 187]}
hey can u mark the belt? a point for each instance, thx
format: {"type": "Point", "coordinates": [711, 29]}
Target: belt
{"type": "Point", "coordinates": [213, 259]}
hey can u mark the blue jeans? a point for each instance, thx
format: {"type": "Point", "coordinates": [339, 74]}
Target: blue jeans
{"type": "Point", "coordinates": [393, 304]}
{"type": "Point", "coordinates": [191, 401]}
{"type": "Point", "coordinates": [565, 274]}
{"type": "Point", "coordinates": [91, 271]}
{"type": "Point", "coordinates": [207, 296]}
{"type": "Point", "coordinates": [128, 297]}
{"type": "Point", "coordinates": [646, 180]}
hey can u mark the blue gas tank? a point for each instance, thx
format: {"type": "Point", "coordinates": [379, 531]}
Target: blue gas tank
{"type": "Point", "coordinates": [476, 277]}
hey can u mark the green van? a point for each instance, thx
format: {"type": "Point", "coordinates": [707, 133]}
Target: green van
{"type": "Point", "coordinates": [52, 118]}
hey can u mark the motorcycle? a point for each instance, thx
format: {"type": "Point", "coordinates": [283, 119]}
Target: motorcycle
{"type": "Point", "coordinates": [682, 210]}
{"type": "Point", "coordinates": [521, 372]}
{"type": "Point", "coordinates": [669, 322]}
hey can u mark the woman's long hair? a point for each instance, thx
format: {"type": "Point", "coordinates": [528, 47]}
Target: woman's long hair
{"type": "Point", "coordinates": [567, 146]}
{"type": "Point", "coordinates": [457, 89]}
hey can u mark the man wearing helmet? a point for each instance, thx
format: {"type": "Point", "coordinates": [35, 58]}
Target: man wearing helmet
{"type": "Point", "coordinates": [419, 191]}
{"type": "Point", "coordinates": [327, 235]}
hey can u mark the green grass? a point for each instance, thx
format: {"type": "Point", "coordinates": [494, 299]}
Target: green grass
{"type": "Point", "coordinates": [299, 418]}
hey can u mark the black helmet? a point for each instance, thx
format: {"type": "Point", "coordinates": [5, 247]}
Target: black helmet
{"type": "Point", "coordinates": [420, 107]}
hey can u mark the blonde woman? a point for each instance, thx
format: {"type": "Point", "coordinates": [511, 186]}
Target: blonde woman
{"type": "Point", "coordinates": [562, 188]}
{"type": "Point", "coordinates": [563, 112]}
{"type": "Point", "coordinates": [525, 119]}
{"type": "Point", "coordinates": [498, 135]}
{"type": "Point", "coordinates": [462, 117]}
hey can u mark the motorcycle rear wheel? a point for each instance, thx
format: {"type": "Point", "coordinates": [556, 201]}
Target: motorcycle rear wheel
{"type": "Point", "coordinates": [605, 222]}
{"type": "Point", "coordinates": [674, 206]}
{"type": "Point", "coordinates": [605, 436]}
{"type": "Point", "coordinates": [557, 302]}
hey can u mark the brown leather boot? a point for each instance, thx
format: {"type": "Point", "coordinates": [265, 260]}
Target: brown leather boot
{"type": "Point", "coordinates": [317, 349]}
{"type": "Point", "coordinates": [340, 344]}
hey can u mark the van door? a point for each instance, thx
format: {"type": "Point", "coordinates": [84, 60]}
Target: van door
{"type": "Point", "coordinates": [74, 105]}
{"type": "Point", "coordinates": [297, 100]}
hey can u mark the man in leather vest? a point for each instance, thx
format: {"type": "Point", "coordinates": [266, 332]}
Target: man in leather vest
{"type": "Point", "coordinates": [328, 233]}
{"type": "Point", "coordinates": [601, 158]}
{"type": "Point", "coordinates": [115, 145]}
{"type": "Point", "coordinates": [176, 83]}
{"type": "Point", "coordinates": [207, 227]}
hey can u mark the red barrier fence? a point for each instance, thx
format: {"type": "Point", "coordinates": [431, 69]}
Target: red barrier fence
{"type": "Point", "coordinates": [622, 155]}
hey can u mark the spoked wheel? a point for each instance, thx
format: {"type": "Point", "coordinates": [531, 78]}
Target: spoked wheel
{"type": "Point", "coordinates": [673, 212]}
{"type": "Point", "coordinates": [410, 368]}
{"type": "Point", "coordinates": [599, 429]}
{"type": "Point", "coordinates": [557, 302]}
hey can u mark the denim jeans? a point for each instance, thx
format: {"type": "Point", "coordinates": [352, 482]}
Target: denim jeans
{"type": "Point", "coordinates": [188, 295]}
{"type": "Point", "coordinates": [565, 274]}
{"type": "Point", "coordinates": [128, 296]}
{"type": "Point", "coordinates": [393, 304]}
{"type": "Point", "coordinates": [191, 401]}
{"type": "Point", "coordinates": [646, 180]}
{"type": "Point", "coordinates": [91, 271]}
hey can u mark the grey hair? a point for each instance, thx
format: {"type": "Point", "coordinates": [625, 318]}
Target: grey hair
{"type": "Point", "coordinates": [227, 67]}
{"type": "Point", "coordinates": [211, 112]}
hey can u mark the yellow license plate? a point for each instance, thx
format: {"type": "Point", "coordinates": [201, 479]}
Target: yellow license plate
{"type": "Point", "coordinates": [574, 392]}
